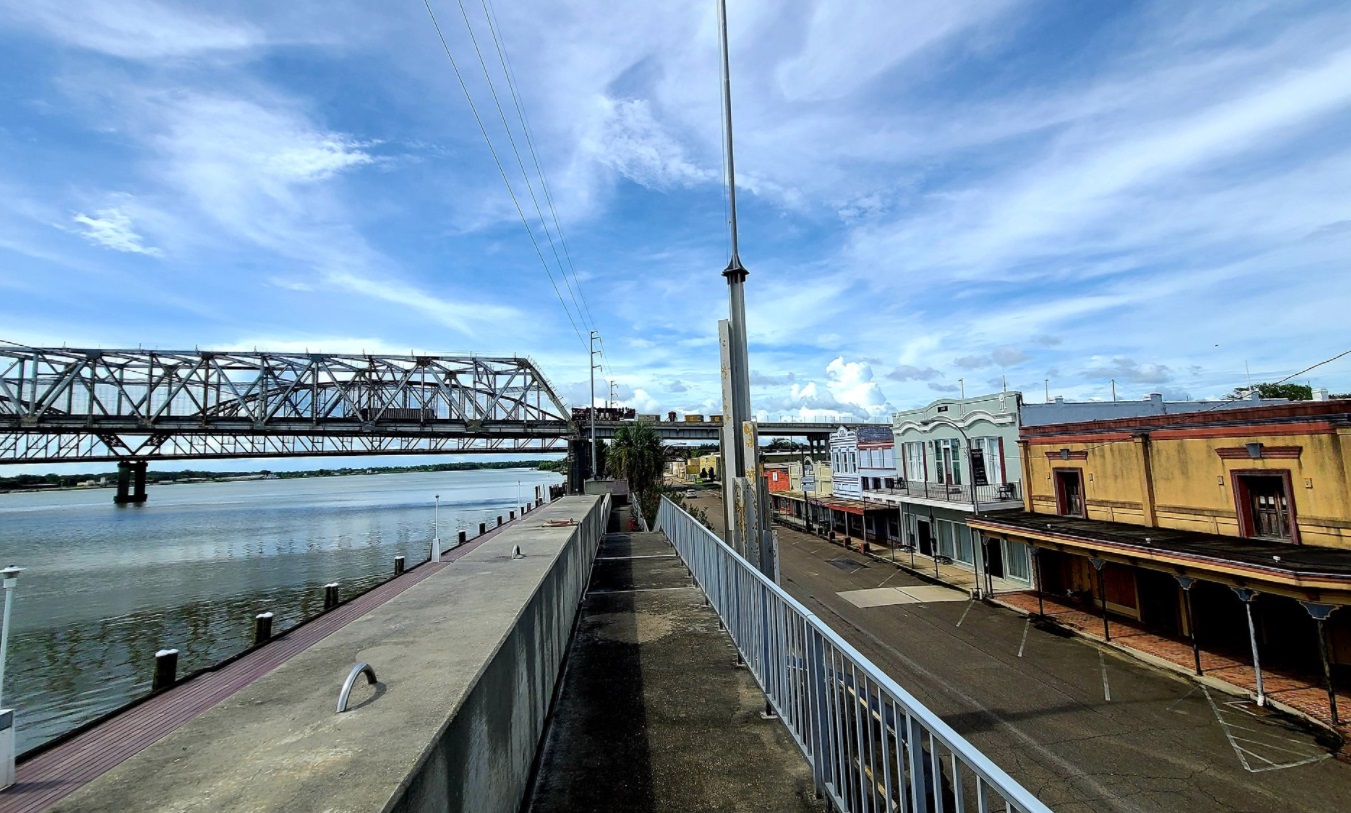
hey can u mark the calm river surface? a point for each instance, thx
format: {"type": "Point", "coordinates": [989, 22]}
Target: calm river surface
{"type": "Point", "coordinates": [108, 585]}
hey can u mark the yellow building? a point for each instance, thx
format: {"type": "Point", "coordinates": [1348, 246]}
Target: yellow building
{"type": "Point", "coordinates": [1188, 523]}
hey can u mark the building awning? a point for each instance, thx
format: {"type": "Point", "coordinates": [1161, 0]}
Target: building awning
{"type": "Point", "coordinates": [1300, 571]}
{"type": "Point", "coordinates": [850, 506]}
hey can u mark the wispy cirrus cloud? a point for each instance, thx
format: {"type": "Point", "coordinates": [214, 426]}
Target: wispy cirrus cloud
{"type": "Point", "coordinates": [112, 228]}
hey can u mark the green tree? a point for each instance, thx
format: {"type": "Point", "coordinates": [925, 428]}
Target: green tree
{"type": "Point", "coordinates": [1292, 392]}
{"type": "Point", "coordinates": [636, 455]}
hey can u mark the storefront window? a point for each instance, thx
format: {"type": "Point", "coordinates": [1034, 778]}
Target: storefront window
{"type": "Point", "coordinates": [1016, 555]}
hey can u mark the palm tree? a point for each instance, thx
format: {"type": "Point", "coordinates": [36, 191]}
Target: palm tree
{"type": "Point", "coordinates": [635, 455]}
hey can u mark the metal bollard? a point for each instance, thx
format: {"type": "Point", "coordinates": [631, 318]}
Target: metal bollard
{"type": "Point", "coordinates": [482, 528]}
{"type": "Point", "coordinates": [511, 515]}
{"type": "Point", "coordinates": [398, 565]}
{"type": "Point", "coordinates": [330, 596]}
{"type": "Point", "coordinates": [262, 628]}
{"type": "Point", "coordinates": [499, 520]}
{"type": "Point", "coordinates": [464, 535]}
{"type": "Point", "coordinates": [166, 670]}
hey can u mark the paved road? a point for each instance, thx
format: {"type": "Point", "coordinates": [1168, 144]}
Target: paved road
{"type": "Point", "coordinates": [1083, 728]}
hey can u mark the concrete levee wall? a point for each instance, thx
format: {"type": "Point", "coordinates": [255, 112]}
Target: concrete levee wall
{"type": "Point", "coordinates": [467, 661]}
{"type": "Point", "coordinates": [482, 761]}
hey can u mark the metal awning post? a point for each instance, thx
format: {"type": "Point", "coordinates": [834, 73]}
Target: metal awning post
{"type": "Point", "coordinates": [1320, 613]}
{"type": "Point", "coordinates": [1186, 583]}
{"type": "Point", "coordinates": [1036, 574]}
{"type": "Point", "coordinates": [1246, 596]}
{"type": "Point", "coordinates": [1102, 591]}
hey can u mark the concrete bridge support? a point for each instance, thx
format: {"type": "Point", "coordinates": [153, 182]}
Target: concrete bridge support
{"type": "Point", "coordinates": [130, 482]}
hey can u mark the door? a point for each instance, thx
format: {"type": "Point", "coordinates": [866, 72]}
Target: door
{"type": "Point", "coordinates": [994, 562]}
{"type": "Point", "coordinates": [926, 542]}
{"type": "Point", "coordinates": [1270, 510]}
{"type": "Point", "coordinates": [1069, 491]}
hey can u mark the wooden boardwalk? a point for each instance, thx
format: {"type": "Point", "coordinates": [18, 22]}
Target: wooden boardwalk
{"type": "Point", "coordinates": [53, 774]}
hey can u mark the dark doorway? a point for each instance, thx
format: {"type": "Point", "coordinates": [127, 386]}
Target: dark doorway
{"type": "Point", "coordinates": [994, 557]}
{"type": "Point", "coordinates": [1160, 602]}
{"type": "Point", "coordinates": [926, 542]}
{"type": "Point", "coordinates": [1069, 492]}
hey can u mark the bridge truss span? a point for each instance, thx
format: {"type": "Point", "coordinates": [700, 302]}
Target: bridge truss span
{"type": "Point", "coordinates": [70, 405]}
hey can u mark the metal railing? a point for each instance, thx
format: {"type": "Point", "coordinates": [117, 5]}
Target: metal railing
{"type": "Point", "coordinates": [872, 746]}
{"type": "Point", "coordinates": [994, 493]}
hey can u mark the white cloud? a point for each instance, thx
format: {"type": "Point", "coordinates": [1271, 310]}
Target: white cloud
{"type": "Point", "coordinates": [111, 228]}
{"type": "Point", "coordinates": [632, 142]}
{"type": "Point", "coordinates": [135, 29]}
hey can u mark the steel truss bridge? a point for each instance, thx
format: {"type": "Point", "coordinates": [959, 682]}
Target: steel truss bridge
{"type": "Point", "coordinates": [65, 405]}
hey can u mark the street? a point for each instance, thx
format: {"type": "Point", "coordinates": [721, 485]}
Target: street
{"type": "Point", "coordinates": [1083, 728]}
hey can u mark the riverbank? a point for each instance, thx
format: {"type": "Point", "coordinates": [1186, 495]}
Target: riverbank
{"type": "Point", "coordinates": [106, 586]}
{"type": "Point", "coordinates": [37, 483]}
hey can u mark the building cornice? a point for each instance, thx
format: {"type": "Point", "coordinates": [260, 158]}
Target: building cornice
{"type": "Point", "coordinates": [965, 421]}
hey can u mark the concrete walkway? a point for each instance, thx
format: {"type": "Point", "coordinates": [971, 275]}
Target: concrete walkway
{"type": "Point", "coordinates": [652, 714]}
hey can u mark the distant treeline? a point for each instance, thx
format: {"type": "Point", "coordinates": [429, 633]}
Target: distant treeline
{"type": "Point", "coordinates": [153, 476]}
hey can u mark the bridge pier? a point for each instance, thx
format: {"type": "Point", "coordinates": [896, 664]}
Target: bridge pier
{"type": "Point", "coordinates": [130, 482]}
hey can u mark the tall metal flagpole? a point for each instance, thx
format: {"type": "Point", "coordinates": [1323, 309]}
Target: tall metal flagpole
{"type": "Point", "coordinates": [746, 526]}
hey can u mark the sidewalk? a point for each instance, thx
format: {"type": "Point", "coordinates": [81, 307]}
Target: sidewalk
{"type": "Point", "coordinates": [1301, 695]}
{"type": "Point", "coordinates": [1304, 696]}
{"type": "Point", "coordinates": [652, 715]}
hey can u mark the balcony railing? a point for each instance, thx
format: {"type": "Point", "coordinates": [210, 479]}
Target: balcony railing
{"type": "Point", "coordinates": [947, 492]}
{"type": "Point", "coordinates": [871, 745]}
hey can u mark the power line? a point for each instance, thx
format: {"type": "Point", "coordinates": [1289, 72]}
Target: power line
{"type": "Point", "coordinates": [511, 139]}
{"type": "Point", "coordinates": [500, 169]}
{"type": "Point", "coordinates": [498, 42]}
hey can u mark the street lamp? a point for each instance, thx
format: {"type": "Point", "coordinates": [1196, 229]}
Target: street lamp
{"type": "Point", "coordinates": [10, 577]}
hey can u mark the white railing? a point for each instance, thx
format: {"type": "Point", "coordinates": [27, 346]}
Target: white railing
{"type": "Point", "coordinates": [872, 746]}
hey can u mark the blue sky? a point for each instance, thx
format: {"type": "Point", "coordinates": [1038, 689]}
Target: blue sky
{"type": "Point", "coordinates": [1151, 192]}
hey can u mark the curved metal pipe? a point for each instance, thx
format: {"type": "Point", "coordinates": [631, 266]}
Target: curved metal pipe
{"type": "Point", "coordinates": [359, 669]}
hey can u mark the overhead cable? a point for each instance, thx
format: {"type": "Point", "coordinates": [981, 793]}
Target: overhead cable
{"type": "Point", "coordinates": [501, 170]}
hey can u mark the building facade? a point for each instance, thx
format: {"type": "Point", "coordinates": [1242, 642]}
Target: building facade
{"type": "Point", "coordinates": [953, 458]}
{"type": "Point", "coordinates": [1187, 523]}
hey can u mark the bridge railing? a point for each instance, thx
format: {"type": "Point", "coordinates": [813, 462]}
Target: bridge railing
{"type": "Point", "coordinates": [872, 746]}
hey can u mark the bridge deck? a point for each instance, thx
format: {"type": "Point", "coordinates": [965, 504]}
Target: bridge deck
{"type": "Point", "coordinates": [51, 775]}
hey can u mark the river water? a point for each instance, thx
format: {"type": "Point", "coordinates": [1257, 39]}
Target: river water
{"type": "Point", "coordinates": [106, 586]}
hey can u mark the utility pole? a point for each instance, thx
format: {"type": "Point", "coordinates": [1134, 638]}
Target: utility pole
{"type": "Point", "coordinates": [740, 445]}
{"type": "Point", "coordinates": [591, 406]}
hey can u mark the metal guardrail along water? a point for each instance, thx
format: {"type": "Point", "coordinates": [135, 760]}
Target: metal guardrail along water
{"type": "Point", "coordinates": [872, 746]}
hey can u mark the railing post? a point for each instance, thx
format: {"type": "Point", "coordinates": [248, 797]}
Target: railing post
{"type": "Point", "coordinates": [819, 716]}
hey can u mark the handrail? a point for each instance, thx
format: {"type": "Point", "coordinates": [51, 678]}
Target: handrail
{"type": "Point", "coordinates": [871, 744]}
{"type": "Point", "coordinates": [359, 669]}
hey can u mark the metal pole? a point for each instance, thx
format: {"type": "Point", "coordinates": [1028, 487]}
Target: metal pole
{"type": "Point", "coordinates": [11, 580]}
{"type": "Point", "coordinates": [1327, 672]}
{"type": "Point", "coordinates": [591, 407]}
{"type": "Point", "coordinates": [1320, 613]}
{"type": "Point", "coordinates": [735, 273]}
{"type": "Point", "coordinates": [1036, 565]}
{"type": "Point", "coordinates": [1187, 583]}
{"type": "Point", "coordinates": [1098, 565]}
{"type": "Point", "coordinates": [1246, 596]}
